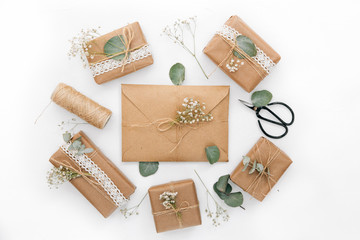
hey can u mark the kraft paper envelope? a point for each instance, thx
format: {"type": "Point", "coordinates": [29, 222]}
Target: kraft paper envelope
{"type": "Point", "coordinates": [144, 105]}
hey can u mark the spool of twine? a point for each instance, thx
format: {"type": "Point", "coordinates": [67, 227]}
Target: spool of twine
{"type": "Point", "coordinates": [77, 103]}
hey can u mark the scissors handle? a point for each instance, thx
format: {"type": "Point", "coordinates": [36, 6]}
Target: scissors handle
{"type": "Point", "coordinates": [280, 122]}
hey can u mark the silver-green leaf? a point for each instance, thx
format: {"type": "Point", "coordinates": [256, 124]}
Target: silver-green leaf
{"type": "Point", "coordinates": [148, 168]}
{"type": "Point", "coordinates": [67, 137]}
{"type": "Point", "coordinates": [246, 160]}
{"type": "Point", "coordinates": [222, 183]}
{"type": "Point", "coordinates": [247, 45]}
{"type": "Point", "coordinates": [177, 73]}
{"type": "Point", "coordinates": [261, 98]}
{"type": "Point", "coordinates": [114, 46]}
{"type": "Point", "coordinates": [212, 154]}
{"type": "Point", "coordinates": [223, 195]}
{"type": "Point", "coordinates": [234, 199]}
{"type": "Point", "coordinates": [259, 167]}
{"type": "Point", "coordinates": [253, 168]}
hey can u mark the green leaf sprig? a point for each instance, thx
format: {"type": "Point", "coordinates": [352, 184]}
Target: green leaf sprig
{"type": "Point", "coordinates": [212, 154]}
{"type": "Point", "coordinates": [177, 73]}
{"type": "Point", "coordinates": [261, 98]}
{"type": "Point", "coordinates": [245, 44]}
{"type": "Point", "coordinates": [254, 166]}
{"type": "Point", "coordinates": [223, 190]}
{"type": "Point", "coordinates": [148, 168]}
{"type": "Point", "coordinates": [77, 146]}
{"type": "Point", "coordinates": [114, 46]}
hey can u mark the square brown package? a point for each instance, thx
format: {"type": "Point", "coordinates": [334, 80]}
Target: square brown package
{"type": "Point", "coordinates": [269, 155]}
{"type": "Point", "coordinates": [105, 69]}
{"type": "Point", "coordinates": [144, 105]}
{"type": "Point", "coordinates": [250, 72]}
{"type": "Point", "coordinates": [187, 205]}
{"type": "Point", "coordinates": [90, 187]}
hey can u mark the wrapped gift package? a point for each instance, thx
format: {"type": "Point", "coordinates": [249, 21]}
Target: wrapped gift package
{"type": "Point", "coordinates": [144, 105]}
{"type": "Point", "coordinates": [105, 69]}
{"type": "Point", "coordinates": [107, 188]}
{"type": "Point", "coordinates": [250, 71]}
{"type": "Point", "coordinates": [270, 156]}
{"type": "Point", "coordinates": [186, 202]}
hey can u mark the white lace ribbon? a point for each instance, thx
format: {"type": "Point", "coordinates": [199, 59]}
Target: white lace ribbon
{"type": "Point", "coordinates": [105, 182]}
{"type": "Point", "coordinates": [261, 58]}
{"type": "Point", "coordinates": [111, 64]}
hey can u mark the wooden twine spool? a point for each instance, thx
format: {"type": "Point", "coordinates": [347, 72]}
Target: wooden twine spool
{"type": "Point", "coordinates": [77, 103]}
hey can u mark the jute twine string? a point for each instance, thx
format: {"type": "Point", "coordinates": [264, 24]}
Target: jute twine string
{"type": "Point", "coordinates": [77, 103]}
{"type": "Point", "coordinates": [234, 47]}
{"type": "Point", "coordinates": [269, 160]}
{"type": "Point", "coordinates": [126, 39]}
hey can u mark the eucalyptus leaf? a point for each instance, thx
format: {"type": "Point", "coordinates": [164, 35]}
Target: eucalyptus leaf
{"type": "Point", "coordinates": [148, 168]}
{"type": "Point", "coordinates": [88, 150]}
{"type": "Point", "coordinates": [253, 168]}
{"type": "Point", "coordinates": [222, 183]}
{"type": "Point", "coordinates": [115, 45]}
{"type": "Point", "coordinates": [268, 171]}
{"type": "Point", "coordinates": [247, 45]}
{"type": "Point", "coordinates": [177, 73]}
{"type": "Point", "coordinates": [261, 98]}
{"type": "Point", "coordinates": [212, 154]}
{"type": "Point", "coordinates": [259, 167]}
{"type": "Point", "coordinates": [234, 199]}
{"type": "Point", "coordinates": [222, 195]}
{"type": "Point", "coordinates": [67, 137]}
{"type": "Point", "coordinates": [76, 144]}
{"type": "Point", "coordinates": [246, 160]}
{"type": "Point", "coordinates": [245, 167]}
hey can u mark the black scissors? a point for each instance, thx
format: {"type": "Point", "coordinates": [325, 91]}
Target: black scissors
{"type": "Point", "coordinates": [280, 122]}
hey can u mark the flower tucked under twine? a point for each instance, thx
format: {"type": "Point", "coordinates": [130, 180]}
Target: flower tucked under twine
{"type": "Point", "coordinates": [59, 175]}
{"type": "Point", "coordinates": [169, 202]}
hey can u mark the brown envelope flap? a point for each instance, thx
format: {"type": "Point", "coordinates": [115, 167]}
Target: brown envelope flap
{"type": "Point", "coordinates": [97, 45]}
{"type": "Point", "coordinates": [162, 101]}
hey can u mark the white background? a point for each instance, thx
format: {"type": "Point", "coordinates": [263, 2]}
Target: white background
{"type": "Point", "coordinates": [318, 196]}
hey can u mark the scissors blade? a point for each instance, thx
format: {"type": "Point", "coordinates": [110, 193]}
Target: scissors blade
{"type": "Point", "coordinates": [247, 104]}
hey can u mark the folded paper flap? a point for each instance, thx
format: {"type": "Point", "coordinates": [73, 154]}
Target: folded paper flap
{"type": "Point", "coordinates": [97, 44]}
{"type": "Point", "coordinates": [158, 101]}
{"type": "Point", "coordinates": [238, 24]}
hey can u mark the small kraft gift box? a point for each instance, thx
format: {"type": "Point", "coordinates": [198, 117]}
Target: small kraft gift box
{"type": "Point", "coordinates": [101, 182]}
{"type": "Point", "coordinates": [118, 53]}
{"type": "Point", "coordinates": [241, 54]}
{"type": "Point", "coordinates": [260, 169]}
{"type": "Point", "coordinates": [175, 205]}
{"type": "Point", "coordinates": [160, 122]}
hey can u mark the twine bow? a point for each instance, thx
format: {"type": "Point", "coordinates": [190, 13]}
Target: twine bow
{"type": "Point", "coordinates": [126, 39]}
{"type": "Point", "coordinates": [234, 47]}
{"type": "Point", "coordinates": [177, 211]}
{"type": "Point", "coordinates": [255, 183]}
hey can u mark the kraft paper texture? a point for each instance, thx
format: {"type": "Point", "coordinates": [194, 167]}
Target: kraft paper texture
{"type": "Point", "coordinates": [142, 105]}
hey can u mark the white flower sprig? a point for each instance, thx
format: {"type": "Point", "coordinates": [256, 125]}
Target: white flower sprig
{"type": "Point", "coordinates": [176, 33]}
{"type": "Point", "coordinates": [233, 66]}
{"type": "Point", "coordinates": [219, 211]}
{"type": "Point", "coordinates": [127, 212]}
{"type": "Point", "coordinates": [193, 112]}
{"type": "Point", "coordinates": [58, 175]}
{"type": "Point", "coordinates": [79, 44]}
{"type": "Point", "coordinates": [169, 199]}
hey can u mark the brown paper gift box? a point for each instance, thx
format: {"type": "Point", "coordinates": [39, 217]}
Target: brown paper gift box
{"type": "Point", "coordinates": [217, 49]}
{"type": "Point", "coordinates": [142, 105]}
{"type": "Point", "coordinates": [261, 152]}
{"type": "Point", "coordinates": [97, 45]}
{"type": "Point", "coordinates": [95, 194]}
{"type": "Point", "coordinates": [167, 220]}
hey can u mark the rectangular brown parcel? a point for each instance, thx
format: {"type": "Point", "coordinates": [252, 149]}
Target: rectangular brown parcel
{"type": "Point", "coordinates": [105, 69]}
{"type": "Point", "coordinates": [143, 105]}
{"type": "Point", "coordinates": [186, 201]}
{"type": "Point", "coordinates": [94, 193]}
{"type": "Point", "coordinates": [266, 153]}
{"type": "Point", "coordinates": [248, 75]}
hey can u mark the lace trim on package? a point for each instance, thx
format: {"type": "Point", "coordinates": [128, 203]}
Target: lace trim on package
{"type": "Point", "coordinates": [261, 58]}
{"type": "Point", "coordinates": [111, 64]}
{"type": "Point", "coordinates": [105, 182]}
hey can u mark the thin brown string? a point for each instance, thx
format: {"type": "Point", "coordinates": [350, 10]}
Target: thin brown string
{"type": "Point", "coordinates": [84, 107]}
{"type": "Point", "coordinates": [233, 46]}
{"type": "Point", "coordinates": [128, 35]}
{"type": "Point", "coordinates": [270, 158]}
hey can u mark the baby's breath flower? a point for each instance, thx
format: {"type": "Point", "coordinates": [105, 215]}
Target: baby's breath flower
{"type": "Point", "coordinates": [59, 175]}
{"type": "Point", "coordinates": [79, 44]}
{"type": "Point", "coordinates": [169, 199]}
{"type": "Point", "coordinates": [193, 112]}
